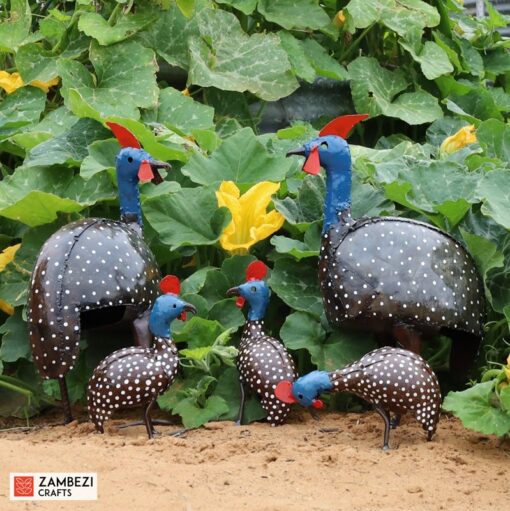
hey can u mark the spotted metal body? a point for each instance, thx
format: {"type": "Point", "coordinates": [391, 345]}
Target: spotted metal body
{"type": "Point", "coordinates": [86, 265]}
{"type": "Point", "coordinates": [383, 271]}
{"type": "Point", "coordinates": [398, 277]}
{"type": "Point", "coordinates": [131, 377]}
{"type": "Point", "coordinates": [392, 379]}
{"type": "Point", "coordinates": [262, 363]}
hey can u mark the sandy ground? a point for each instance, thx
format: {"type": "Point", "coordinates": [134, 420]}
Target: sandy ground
{"type": "Point", "coordinates": [332, 464]}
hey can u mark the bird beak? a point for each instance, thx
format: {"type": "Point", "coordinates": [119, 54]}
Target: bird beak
{"type": "Point", "coordinates": [149, 171]}
{"type": "Point", "coordinates": [312, 164]}
{"type": "Point", "coordinates": [300, 151]}
{"type": "Point", "coordinates": [187, 308]}
{"type": "Point", "coordinates": [234, 291]}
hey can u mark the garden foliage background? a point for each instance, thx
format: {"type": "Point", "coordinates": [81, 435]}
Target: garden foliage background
{"type": "Point", "coordinates": [192, 79]}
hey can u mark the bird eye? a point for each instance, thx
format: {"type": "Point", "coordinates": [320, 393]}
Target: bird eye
{"type": "Point", "coordinates": [324, 145]}
{"type": "Point", "coordinates": [130, 159]}
{"type": "Point", "coordinates": [300, 396]}
{"type": "Point", "coordinates": [253, 289]}
{"type": "Point", "coordinates": [175, 306]}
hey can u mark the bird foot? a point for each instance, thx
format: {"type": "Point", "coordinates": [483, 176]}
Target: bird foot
{"type": "Point", "coordinates": [180, 432]}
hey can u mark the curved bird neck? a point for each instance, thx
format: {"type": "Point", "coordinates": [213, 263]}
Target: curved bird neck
{"type": "Point", "coordinates": [129, 198]}
{"type": "Point", "coordinates": [253, 329]}
{"type": "Point", "coordinates": [338, 191]}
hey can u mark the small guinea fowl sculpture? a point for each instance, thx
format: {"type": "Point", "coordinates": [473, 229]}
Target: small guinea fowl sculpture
{"type": "Point", "coordinates": [262, 361]}
{"type": "Point", "coordinates": [394, 276]}
{"type": "Point", "coordinates": [94, 272]}
{"type": "Point", "coordinates": [137, 376]}
{"type": "Point", "coordinates": [392, 379]}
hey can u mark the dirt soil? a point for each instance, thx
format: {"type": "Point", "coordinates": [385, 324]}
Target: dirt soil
{"type": "Point", "coordinates": [333, 464]}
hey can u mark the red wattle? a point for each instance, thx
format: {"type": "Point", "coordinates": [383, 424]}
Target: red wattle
{"type": "Point", "coordinates": [240, 302]}
{"type": "Point", "coordinates": [182, 317]}
{"type": "Point", "coordinates": [145, 172]}
{"type": "Point", "coordinates": [313, 164]}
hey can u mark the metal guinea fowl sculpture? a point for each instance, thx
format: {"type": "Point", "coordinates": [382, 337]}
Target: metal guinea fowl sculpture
{"type": "Point", "coordinates": [262, 361]}
{"type": "Point", "coordinates": [394, 276]}
{"type": "Point", "coordinates": [94, 272]}
{"type": "Point", "coordinates": [392, 379]}
{"type": "Point", "coordinates": [136, 376]}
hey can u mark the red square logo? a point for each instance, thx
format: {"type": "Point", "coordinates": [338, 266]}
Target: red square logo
{"type": "Point", "coordinates": [23, 486]}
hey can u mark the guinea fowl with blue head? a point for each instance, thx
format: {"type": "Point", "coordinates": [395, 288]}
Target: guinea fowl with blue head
{"type": "Point", "coordinates": [137, 376]}
{"type": "Point", "coordinates": [400, 278]}
{"type": "Point", "coordinates": [392, 379]}
{"type": "Point", "coordinates": [263, 361]}
{"type": "Point", "coordinates": [95, 272]}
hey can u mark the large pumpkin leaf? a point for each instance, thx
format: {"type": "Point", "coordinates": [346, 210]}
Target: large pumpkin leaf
{"type": "Point", "coordinates": [224, 56]}
{"type": "Point", "coordinates": [125, 79]}
{"type": "Point", "coordinates": [35, 196]}
{"type": "Point", "coordinates": [296, 283]}
{"type": "Point", "coordinates": [36, 63]}
{"type": "Point", "coordinates": [477, 411]}
{"type": "Point", "coordinates": [305, 14]}
{"type": "Point", "coordinates": [188, 217]}
{"type": "Point", "coordinates": [246, 6]}
{"type": "Point", "coordinates": [15, 29]}
{"type": "Point", "coordinates": [14, 338]}
{"type": "Point", "coordinates": [240, 158]}
{"type": "Point", "coordinates": [21, 108]}
{"type": "Point", "coordinates": [494, 188]}
{"type": "Point", "coordinates": [94, 25]}
{"type": "Point", "coordinates": [377, 91]}
{"type": "Point", "coordinates": [494, 137]}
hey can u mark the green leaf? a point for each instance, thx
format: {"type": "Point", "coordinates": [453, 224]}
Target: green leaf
{"type": "Point", "coordinates": [14, 339]}
{"type": "Point", "coordinates": [227, 313]}
{"type": "Point", "coordinates": [432, 58]}
{"type": "Point", "coordinates": [35, 63]}
{"type": "Point", "coordinates": [308, 205]}
{"type": "Point", "coordinates": [34, 197]}
{"type": "Point", "coordinates": [102, 154]}
{"type": "Point", "coordinates": [219, 58]}
{"type": "Point", "coordinates": [15, 29]}
{"type": "Point", "coordinates": [305, 14]}
{"type": "Point", "coordinates": [344, 347]}
{"type": "Point", "coordinates": [240, 158]}
{"type": "Point", "coordinates": [69, 147]}
{"type": "Point", "coordinates": [194, 416]}
{"type": "Point", "coordinates": [296, 283]}
{"type": "Point", "coordinates": [228, 389]}
{"type": "Point", "coordinates": [188, 217]}
{"type": "Point", "coordinates": [186, 6]}
{"type": "Point", "coordinates": [474, 408]}
{"type": "Point", "coordinates": [494, 137]}
{"type": "Point", "coordinates": [94, 25]}
{"type": "Point", "coordinates": [177, 111]}
{"type": "Point", "coordinates": [309, 247]}
{"type": "Point", "coordinates": [376, 91]}
{"type": "Point", "coordinates": [114, 90]}
{"type": "Point", "coordinates": [168, 35]}
{"type": "Point", "coordinates": [198, 332]}
{"type": "Point", "coordinates": [494, 188]}
{"type": "Point", "coordinates": [245, 6]}
{"type": "Point", "coordinates": [19, 109]}
{"type": "Point", "coordinates": [234, 268]}
{"type": "Point", "coordinates": [476, 104]}
{"type": "Point", "coordinates": [297, 56]}
{"type": "Point", "coordinates": [324, 64]}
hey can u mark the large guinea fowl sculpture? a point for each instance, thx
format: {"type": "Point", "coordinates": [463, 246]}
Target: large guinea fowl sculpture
{"type": "Point", "coordinates": [391, 275]}
{"type": "Point", "coordinates": [392, 379]}
{"type": "Point", "coordinates": [262, 361]}
{"type": "Point", "coordinates": [94, 272]}
{"type": "Point", "coordinates": [136, 376]}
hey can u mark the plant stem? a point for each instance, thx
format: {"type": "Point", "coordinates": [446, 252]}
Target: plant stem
{"type": "Point", "coordinates": [354, 45]}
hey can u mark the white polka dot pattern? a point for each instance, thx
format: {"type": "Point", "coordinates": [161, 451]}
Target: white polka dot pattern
{"type": "Point", "coordinates": [131, 377]}
{"type": "Point", "coordinates": [397, 380]}
{"type": "Point", "coordinates": [263, 362]}
{"type": "Point", "coordinates": [89, 264]}
{"type": "Point", "coordinates": [393, 270]}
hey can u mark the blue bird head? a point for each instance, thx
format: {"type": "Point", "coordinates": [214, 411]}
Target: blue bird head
{"type": "Point", "coordinates": [255, 291]}
{"type": "Point", "coordinates": [168, 307]}
{"type": "Point", "coordinates": [329, 149]}
{"type": "Point", "coordinates": [134, 165]}
{"type": "Point", "coordinates": [305, 390]}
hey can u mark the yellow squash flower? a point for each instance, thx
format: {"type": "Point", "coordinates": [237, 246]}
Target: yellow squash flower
{"type": "Point", "coordinates": [10, 82]}
{"type": "Point", "coordinates": [5, 258]}
{"type": "Point", "coordinates": [250, 220]}
{"type": "Point", "coordinates": [507, 368]}
{"type": "Point", "coordinates": [339, 19]}
{"type": "Point", "coordinates": [462, 138]}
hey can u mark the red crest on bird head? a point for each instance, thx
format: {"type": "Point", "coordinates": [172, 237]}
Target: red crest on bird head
{"type": "Point", "coordinates": [171, 285]}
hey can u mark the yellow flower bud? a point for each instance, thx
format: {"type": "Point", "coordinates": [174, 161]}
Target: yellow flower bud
{"type": "Point", "coordinates": [339, 19]}
{"type": "Point", "coordinates": [5, 258]}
